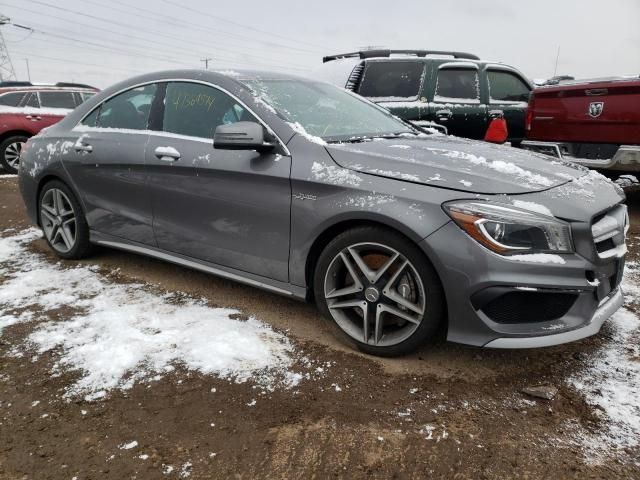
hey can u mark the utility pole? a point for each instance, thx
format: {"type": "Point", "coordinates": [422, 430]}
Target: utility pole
{"type": "Point", "coordinates": [206, 62]}
{"type": "Point", "coordinates": [7, 71]}
{"type": "Point", "coordinates": [26, 60]}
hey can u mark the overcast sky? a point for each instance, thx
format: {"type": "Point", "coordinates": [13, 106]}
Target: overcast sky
{"type": "Point", "coordinates": [116, 39]}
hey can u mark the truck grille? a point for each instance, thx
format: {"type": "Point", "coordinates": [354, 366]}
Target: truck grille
{"type": "Point", "coordinates": [609, 230]}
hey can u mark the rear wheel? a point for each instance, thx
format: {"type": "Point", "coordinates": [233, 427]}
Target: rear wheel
{"type": "Point", "coordinates": [379, 290]}
{"type": "Point", "coordinates": [10, 151]}
{"type": "Point", "coordinates": [63, 222]}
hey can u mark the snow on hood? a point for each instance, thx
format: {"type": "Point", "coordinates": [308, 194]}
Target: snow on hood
{"type": "Point", "coordinates": [455, 163]}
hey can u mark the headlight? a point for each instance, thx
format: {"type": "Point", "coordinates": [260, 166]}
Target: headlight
{"type": "Point", "coordinates": [508, 230]}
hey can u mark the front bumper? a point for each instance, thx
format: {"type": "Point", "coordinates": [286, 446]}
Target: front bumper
{"type": "Point", "coordinates": [626, 158]}
{"type": "Point", "coordinates": [608, 308]}
{"type": "Point", "coordinates": [473, 277]}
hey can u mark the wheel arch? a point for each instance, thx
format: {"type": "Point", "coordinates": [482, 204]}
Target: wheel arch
{"type": "Point", "coordinates": [342, 225]}
{"type": "Point", "coordinates": [51, 177]}
{"type": "Point", "coordinates": [14, 133]}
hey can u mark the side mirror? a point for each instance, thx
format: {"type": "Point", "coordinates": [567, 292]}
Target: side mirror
{"type": "Point", "coordinates": [241, 136]}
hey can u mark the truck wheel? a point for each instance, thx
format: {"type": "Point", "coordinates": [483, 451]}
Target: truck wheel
{"type": "Point", "coordinates": [10, 151]}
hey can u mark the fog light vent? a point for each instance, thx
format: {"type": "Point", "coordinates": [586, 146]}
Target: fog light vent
{"type": "Point", "coordinates": [529, 307]}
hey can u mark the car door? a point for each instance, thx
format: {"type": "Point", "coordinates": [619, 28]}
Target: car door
{"type": "Point", "coordinates": [508, 95]}
{"type": "Point", "coordinates": [455, 102]}
{"type": "Point", "coordinates": [109, 165]}
{"type": "Point", "coordinates": [228, 207]}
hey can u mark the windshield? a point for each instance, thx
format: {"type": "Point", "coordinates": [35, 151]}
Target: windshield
{"type": "Point", "coordinates": [328, 112]}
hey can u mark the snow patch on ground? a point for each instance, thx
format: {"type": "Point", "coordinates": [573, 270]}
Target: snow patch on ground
{"type": "Point", "coordinates": [120, 334]}
{"type": "Point", "coordinates": [612, 380]}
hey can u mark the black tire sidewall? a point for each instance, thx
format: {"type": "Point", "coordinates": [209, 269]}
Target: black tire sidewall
{"type": "Point", "coordinates": [3, 146]}
{"type": "Point", "coordinates": [82, 246]}
{"type": "Point", "coordinates": [435, 311]}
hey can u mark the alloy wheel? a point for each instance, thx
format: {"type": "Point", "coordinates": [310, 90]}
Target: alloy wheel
{"type": "Point", "coordinates": [374, 294]}
{"type": "Point", "coordinates": [12, 154]}
{"type": "Point", "coordinates": [58, 220]}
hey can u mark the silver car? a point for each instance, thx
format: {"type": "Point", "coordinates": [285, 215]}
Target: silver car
{"type": "Point", "coordinates": [310, 191]}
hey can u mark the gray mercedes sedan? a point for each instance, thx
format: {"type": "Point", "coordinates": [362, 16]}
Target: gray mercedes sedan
{"type": "Point", "coordinates": [310, 191]}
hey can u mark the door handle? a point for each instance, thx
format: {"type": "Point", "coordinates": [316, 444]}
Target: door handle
{"type": "Point", "coordinates": [444, 115]}
{"type": "Point", "coordinates": [167, 154]}
{"type": "Point", "coordinates": [34, 118]}
{"type": "Point", "coordinates": [83, 147]}
{"type": "Point", "coordinates": [496, 114]}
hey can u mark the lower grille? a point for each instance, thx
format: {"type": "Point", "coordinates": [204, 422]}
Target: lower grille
{"type": "Point", "coordinates": [529, 307]}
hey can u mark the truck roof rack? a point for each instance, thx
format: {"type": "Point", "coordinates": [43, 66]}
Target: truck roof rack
{"type": "Point", "coordinates": [76, 85]}
{"type": "Point", "coordinates": [388, 53]}
{"type": "Point", "coordinates": [16, 83]}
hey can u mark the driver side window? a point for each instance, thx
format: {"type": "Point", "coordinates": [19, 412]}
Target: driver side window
{"type": "Point", "coordinates": [129, 110]}
{"type": "Point", "coordinates": [195, 110]}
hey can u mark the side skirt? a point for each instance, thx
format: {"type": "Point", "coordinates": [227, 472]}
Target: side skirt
{"type": "Point", "coordinates": [281, 288]}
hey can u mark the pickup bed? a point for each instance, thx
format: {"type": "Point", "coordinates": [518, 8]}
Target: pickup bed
{"type": "Point", "coordinates": [594, 123]}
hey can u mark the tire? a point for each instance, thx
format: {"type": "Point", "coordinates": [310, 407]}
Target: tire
{"type": "Point", "coordinates": [63, 222]}
{"type": "Point", "coordinates": [398, 290]}
{"type": "Point", "coordinates": [9, 148]}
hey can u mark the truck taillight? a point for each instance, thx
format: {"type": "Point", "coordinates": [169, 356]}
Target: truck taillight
{"type": "Point", "coordinates": [528, 119]}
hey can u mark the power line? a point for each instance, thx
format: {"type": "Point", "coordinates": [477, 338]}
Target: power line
{"type": "Point", "coordinates": [7, 71]}
{"type": "Point", "coordinates": [77, 62]}
{"type": "Point", "coordinates": [153, 42]}
{"type": "Point", "coordinates": [232, 22]}
{"type": "Point", "coordinates": [126, 25]}
{"type": "Point", "coordinates": [194, 26]}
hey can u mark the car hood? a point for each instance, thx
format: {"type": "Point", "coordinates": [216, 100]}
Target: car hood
{"type": "Point", "coordinates": [456, 164]}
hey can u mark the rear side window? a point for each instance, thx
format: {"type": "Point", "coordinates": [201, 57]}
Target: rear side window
{"type": "Point", "coordinates": [506, 86]}
{"type": "Point", "coordinates": [392, 79]}
{"type": "Point", "coordinates": [57, 100]}
{"type": "Point", "coordinates": [196, 110]}
{"type": "Point", "coordinates": [32, 101]}
{"type": "Point", "coordinates": [11, 99]}
{"type": "Point", "coordinates": [86, 95]}
{"type": "Point", "coordinates": [129, 110]}
{"type": "Point", "coordinates": [457, 84]}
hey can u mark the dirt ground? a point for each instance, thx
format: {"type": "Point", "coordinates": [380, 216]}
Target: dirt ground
{"type": "Point", "coordinates": [467, 417]}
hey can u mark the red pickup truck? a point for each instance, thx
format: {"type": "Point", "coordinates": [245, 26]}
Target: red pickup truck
{"type": "Point", "coordinates": [593, 122]}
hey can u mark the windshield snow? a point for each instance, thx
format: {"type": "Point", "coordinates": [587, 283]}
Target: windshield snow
{"type": "Point", "coordinates": [327, 112]}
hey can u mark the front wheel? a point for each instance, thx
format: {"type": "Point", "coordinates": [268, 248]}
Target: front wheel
{"type": "Point", "coordinates": [63, 222]}
{"type": "Point", "coordinates": [10, 151]}
{"type": "Point", "coordinates": [379, 290]}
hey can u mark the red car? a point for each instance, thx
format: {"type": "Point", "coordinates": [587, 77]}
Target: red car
{"type": "Point", "coordinates": [595, 123]}
{"type": "Point", "coordinates": [25, 109]}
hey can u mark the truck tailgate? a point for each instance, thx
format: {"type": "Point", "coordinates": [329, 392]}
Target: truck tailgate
{"type": "Point", "coordinates": [607, 112]}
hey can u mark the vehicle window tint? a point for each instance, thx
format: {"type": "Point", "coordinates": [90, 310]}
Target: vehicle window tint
{"type": "Point", "coordinates": [86, 95]}
{"type": "Point", "coordinates": [11, 99]}
{"type": "Point", "coordinates": [91, 120]}
{"type": "Point", "coordinates": [457, 84]}
{"type": "Point", "coordinates": [392, 79]}
{"type": "Point", "coordinates": [128, 110]}
{"type": "Point", "coordinates": [32, 101]}
{"type": "Point", "coordinates": [507, 86]}
{"type": "Point", "coordinates": [57, 100]}
{"type": "Point", "coordinates": [196, 110]}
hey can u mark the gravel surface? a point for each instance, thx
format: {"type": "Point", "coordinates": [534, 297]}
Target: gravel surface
{"type": "Point", "coordinates": [445, 412]}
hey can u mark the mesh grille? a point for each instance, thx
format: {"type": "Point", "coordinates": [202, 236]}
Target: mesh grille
{"type": "Point", "coordinates": [529, 307]}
